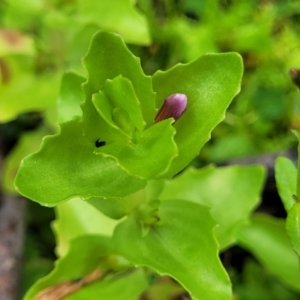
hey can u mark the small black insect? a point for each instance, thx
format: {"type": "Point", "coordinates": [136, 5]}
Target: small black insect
{"type": "Point", "coordinates": [99, 143]}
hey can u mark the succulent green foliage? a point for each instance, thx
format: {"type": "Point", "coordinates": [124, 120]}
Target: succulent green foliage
{"type": "Point", "coordinates": [209, 83]}
{"type": "Point", "coordinates": [117, 145]}
{"type": "Point", "coordinates": [90, 252]}
{"type": "Point", "coordinates": [151, 156]}
{"type": "Point", "coordinates": [286, 181]}
{"type": "Point", "coordinates": [117, 208]}
{"type": "Point", "coordinates": [181, 244]}
{"type": "Point", "coordinates": [107, 126]}
{"type": "Point", "coordinates": [28, 143]}
{"type": "Point", "coordinates": [231, 193]}
{"type": "Point", "coordinates": [154, 188]}
{"type": "Point", "coordinates": [266, 238]}
{"type": "Point", "coordinates": [119, 88]}
{"type": "Point", "coordinates": [210, 76]}
{"type": "Point", "coordinates": [108, 58]}
{"type": "Point", "coordinates": [51, 176]}
{"type": "Point", "coordinates": [76, 218]}
{"type": "Point", "coordinates": [293, 227]}
{"type": "Point", "coordinates": [70, 97]}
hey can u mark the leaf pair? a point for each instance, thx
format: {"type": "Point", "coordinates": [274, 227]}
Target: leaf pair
{"type": "Point", "coordinates": [182, 244]}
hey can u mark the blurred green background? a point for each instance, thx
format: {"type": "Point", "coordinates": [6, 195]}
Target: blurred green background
{"type": "Point", "coordinates": [41, 39]}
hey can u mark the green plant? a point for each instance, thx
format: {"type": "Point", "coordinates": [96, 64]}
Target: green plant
{"type": "Point", "coordinates": [41, 39]}
{"type": "Point", "coordinates": [115, 172]}
{"type": "Point", "coordinates": [288, 184]}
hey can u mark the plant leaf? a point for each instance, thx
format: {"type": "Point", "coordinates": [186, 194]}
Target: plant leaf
{"type": "Point", "coordinates": [51, 176]}
{"type": "Point", "coordinates": [88, 251]}
{"type": "Point", "coordinates": [131, 285]}
{"type": "Point", "coordinates": [107, 58]}
{"type": "Point", "coordinates": [117, 208]}
{"type": "Point", "coordinates": [266, 238]}
{"type": "Point", "coordinates": [181, 245]}
{"type": "Point", "coordinates": [209, 83]}
{"type": "Point", "coordinates": [121, 92]}
{"type": "Point", "coordinates": [27, 143]}
{"type": "Point", "coordinates": [91, 253]}
{"type": "Point", "coordinates": [293, 227]}
{"type": "Point", "coordinates": [76, 218]}
{"type": "Point", "coordinates": [231, 193]}
{"type": "Point", "coordinates": [286, 181]}
{"type": "Point", "coordinates": [70, 97]}
{"type": "Point", "coordinates": [152, 154]}
{"type": "Point", "coordinates": [108, 130]}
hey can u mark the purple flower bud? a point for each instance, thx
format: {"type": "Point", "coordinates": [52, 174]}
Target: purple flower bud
{"type": "Point", "coordinates": [174, 106]}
